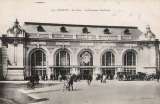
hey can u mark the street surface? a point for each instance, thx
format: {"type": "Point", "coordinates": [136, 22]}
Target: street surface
{"type": "Point", "coordinates": [10, 94]}
{"type": "Point", "coordinates": [112, 92]}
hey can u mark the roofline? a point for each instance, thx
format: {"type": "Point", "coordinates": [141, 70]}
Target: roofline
{"type": "Point", "coordinates": [78, 25]}
{"type": "Point", "coordinates": [24, 39]}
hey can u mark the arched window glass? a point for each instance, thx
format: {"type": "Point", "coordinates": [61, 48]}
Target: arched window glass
{"type": "Point", "coordinates": [86, 59]}
{"type": "Point", "coordinates": [38, 58]}
{"type": "Point", "coordinates": [62, 58]}
{"type": "Point", "coordinates": [108, 59]}
{"type": "Point", "coordinates": [130, 58]}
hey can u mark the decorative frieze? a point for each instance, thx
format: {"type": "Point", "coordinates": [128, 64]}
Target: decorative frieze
{"type": "Point", "coordinates": [63, 43]}
{"type": "Point", "coordinates": [119, 50]}
{"type": "Point", "coordinates": [74, 49]}
{"type": "Point", "coordinates": [50, 49]}
{"type": "Point", "coordinates": [86, 44]}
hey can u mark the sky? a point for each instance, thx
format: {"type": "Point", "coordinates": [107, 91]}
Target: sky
{"type": "Point", "coordinates": [90, 12]}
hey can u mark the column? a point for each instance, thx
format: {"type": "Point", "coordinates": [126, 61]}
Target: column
{"type": "Point", "coordinates": [50, 63]}
{"type": "Point", "coordinates": [157, 55]}
{"type": "Point", "coordinates": [73, 60]}
{"type": "Point", "coordinates": [96, 63]}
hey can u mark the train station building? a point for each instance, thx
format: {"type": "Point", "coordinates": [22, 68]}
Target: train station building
{"type": "Point", "coordinates": [62, 49]}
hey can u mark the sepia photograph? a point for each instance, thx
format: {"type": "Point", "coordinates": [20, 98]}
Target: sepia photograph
{"type": "Point", "coordinates": [79, 52]}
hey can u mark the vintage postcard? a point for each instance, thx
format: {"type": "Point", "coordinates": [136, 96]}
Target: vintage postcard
{"type": "Point", "coordinates": [79, 52]}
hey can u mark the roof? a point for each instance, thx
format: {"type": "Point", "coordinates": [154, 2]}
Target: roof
{"type": "Point", "coordinates": [76, 29]}
{"type": "Point", "coordinates": [78, 25]}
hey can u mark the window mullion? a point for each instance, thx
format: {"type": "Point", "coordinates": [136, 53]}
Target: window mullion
{"type": "Point", "coordinates": [35, 59]}
{"type": "Point", "coordinates": [42, 59]}
{"type": "Point", "coordinates": [111, 58]}
{"type": "Point", "coordinates": [59, 58]}
{"type": "Point", "coordinates": [66, 58]}
{"type": "Point", "coordinates": [126, 59]}
{"type": "Point", "coordinates": [132, 59]}
{"type": "Point", "coordinates": [105, 59]}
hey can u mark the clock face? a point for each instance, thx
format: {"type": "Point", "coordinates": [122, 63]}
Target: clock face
{"type": "Point", "coordinates": [85, 58]}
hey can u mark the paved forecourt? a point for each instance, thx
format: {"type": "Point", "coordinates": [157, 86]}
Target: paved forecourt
{"type": "Point", "coordinates": [111, 92]}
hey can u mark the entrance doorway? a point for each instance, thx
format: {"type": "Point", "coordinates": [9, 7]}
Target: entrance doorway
{"type": "Point", "coordinates": [61, 71]}
{"type": "Point", "coordinates": [86, 61]}
{"type": "Point", "coordinates": [41, 73]}
{"type": "Point", "coordinates": [38, 64]}
{"type": "Point", "coordinates": [62, 62]}
{"type": "Point", "coordinates": [108, 61]}
{"type": "Point", "coordinates": [85, 72]}
{"type": "Point", "coordinates": [109, 72]}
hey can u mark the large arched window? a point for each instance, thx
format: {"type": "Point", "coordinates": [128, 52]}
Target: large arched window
{"type": "Point", "coordinates": [129, 58]}
{"type": "Point", "coordinates": [38, 58]}
{"type": "Point", "coordinates": [62, 58]}
{"type": "Point", "coordinates": [108, 59]}
{"type": "Point", "coordinates": [86, 59]}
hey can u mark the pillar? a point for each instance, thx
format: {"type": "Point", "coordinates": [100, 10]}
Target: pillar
{"type": "Point", "coordinates": [96, 63]}
{"type": "Point", "coordinates": [157, 55]}
{"type": "Point", "coordinates": [50, 61]}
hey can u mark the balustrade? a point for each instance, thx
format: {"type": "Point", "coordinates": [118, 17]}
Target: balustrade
{"type": "Point", "coordinates": [126, 37]}
{"type": "Point", "coordinates": [86, 37]}
{"type": "Point", "coordinates": [62, 36]}
{"type": "Point", "coordinates": [108, 37]}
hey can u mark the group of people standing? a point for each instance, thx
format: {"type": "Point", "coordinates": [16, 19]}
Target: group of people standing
{"type": "Point", "coordinates": [71, 78]}
{"type": "Point", "coordinates": [33, 80]}
{"type": "Point", "coordinates": [68, 83]}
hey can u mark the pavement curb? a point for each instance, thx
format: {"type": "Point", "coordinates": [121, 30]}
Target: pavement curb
{"type": "Point", "coordinates": [38, 90]}
{"type": "Point", "coordinates": [39, 100]}
{"type": "Point", "coordinates": [42, 102]}
{"type": "Point", "coordinates": [36, 98]}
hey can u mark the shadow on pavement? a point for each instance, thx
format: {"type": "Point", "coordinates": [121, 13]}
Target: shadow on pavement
{"type": "Point", "coordinates": [10, 95]}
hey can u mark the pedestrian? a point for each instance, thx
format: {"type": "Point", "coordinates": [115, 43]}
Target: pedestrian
{"type": "Point", "coordinates": [101, 77]}
{"type": "Point", "coordinates": [89, 79]}
{"type": "Point", "coordinates": [66, 84]}
{"type": "Point", "coordinates": [60, 77]}
{"type": "Point", "coordinates": [46, 77]}
{"type": "Point", "coordinates": [51, 76]}
{"type": "Point", "coordinates": [104, 78]}
{"type": "Point", "coordinates": [32, 80]}
{"type": "Point", "coordinates": [158, 76]}
{"type": "Point", "coordinates": [43, 77]}
{"type": "Point", "coordinates": [70, 82]}
{"type": "Point", "coordinates": [37, 78]}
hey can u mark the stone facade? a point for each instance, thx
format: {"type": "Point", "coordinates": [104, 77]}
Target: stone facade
{"type": "Point", "coordinates": [60, 49]}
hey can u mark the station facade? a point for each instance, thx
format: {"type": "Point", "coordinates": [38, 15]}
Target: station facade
{"type": "Point", "coordinates": [62, 49]}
